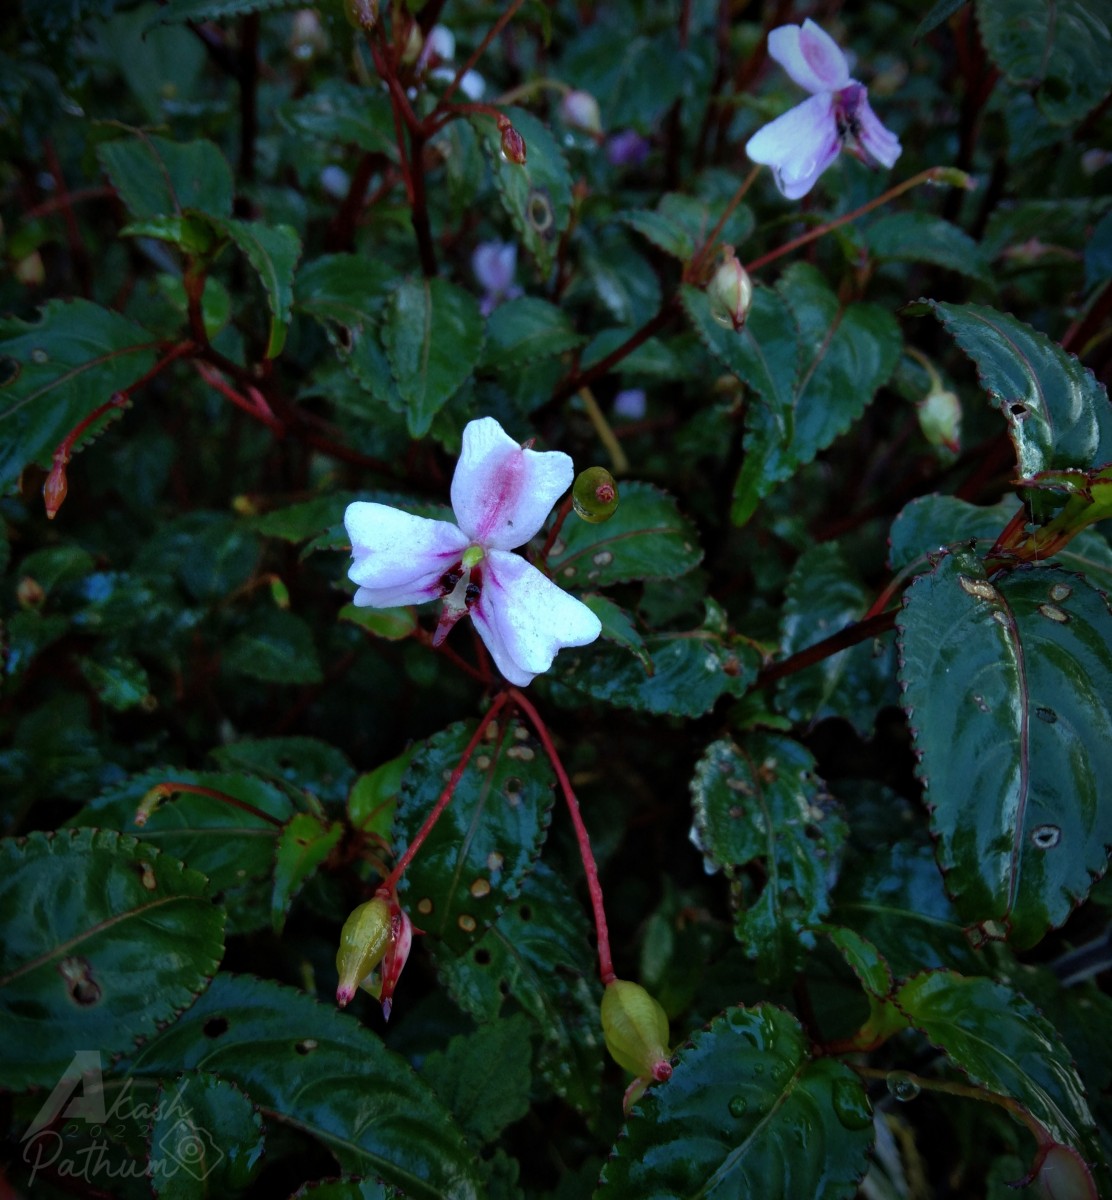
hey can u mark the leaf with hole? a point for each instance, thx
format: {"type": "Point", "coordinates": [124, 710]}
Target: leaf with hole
{"type": "Point", "coordinates": [105, 939]}
{"type": "Point", "coordinates": [1007, 687]}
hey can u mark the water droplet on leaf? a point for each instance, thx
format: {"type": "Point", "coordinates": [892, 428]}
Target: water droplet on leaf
{"type": "Point", "coordinates": [851, 1105]}
{"type": "Point", "coordinates": [738, 1106]}
{"type": "Point", "coordinates": [902, 1086]}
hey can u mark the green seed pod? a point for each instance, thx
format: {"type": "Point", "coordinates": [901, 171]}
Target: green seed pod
{"type": "Point", "coordinates": [364, 940]}
{"type": "Point", "coordinates": [636, 1030]}
{"type": "Point", "coordinates": [594, 495]}
{"type": "Point", "coordinates": [731, 293]}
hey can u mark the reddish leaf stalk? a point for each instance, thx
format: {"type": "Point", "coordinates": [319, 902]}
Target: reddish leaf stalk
{"type": "Point", "coordinates": [163, 791]}
{"type": "Point", "coordinates": [850, 636]}
{"type": "Point", "coordinates": [390, 883]}
{"type": "Point", "coordinates": [478, 53]}
{"type": "Point", "coordinates": [590, 867]}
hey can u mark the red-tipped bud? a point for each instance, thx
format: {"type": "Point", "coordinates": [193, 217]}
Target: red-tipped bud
{"type": "Point", "coordinates": [401, 942]}
{"type": "Point", "coordinates": [636, 1030]}
{"type": "Point", "coordinates": [731, 293]}
{"type": "Point", "coordinates": [513, 144]}
{"type": "Point", "coordinates": [55, 488]}
{"type": "Point", "coordinates": [364, 940]}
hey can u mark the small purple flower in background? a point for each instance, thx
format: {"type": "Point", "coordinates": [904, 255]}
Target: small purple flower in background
{"type": "Point", "coordinates": [495, 265]}
{"type": "Point", "coordinates": [501, 495]}
{"type": "Point", "coordinates": [627, 149]}
{"type": "Point", "coordinates": [630, 404]}
{"type": "Point", "coordinates": [802, 143]}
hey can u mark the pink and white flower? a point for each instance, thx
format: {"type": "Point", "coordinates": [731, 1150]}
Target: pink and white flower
{"type": "Point", "coordinates": [802, 143]}
{"type": "Point", "coordinates": [501, 494]}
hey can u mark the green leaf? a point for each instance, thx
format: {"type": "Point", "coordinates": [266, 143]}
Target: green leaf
{"type": "Point", "coordinates": [484, 1077]}
{"type": "Point", "coordinates": [156, 177]}
{"type": "Point", "coordinates": [924, 237]}
{"type": "Point", "coordinates": [278, 648]}
{"type": "Point", "coordinates": [305, 842]}
{"type": "Point", "coordinates": [539, 956]}
{"type": "Point", "coordinates": [814, 364]}
{"type": "Point", "coordinates": [55, 372]}
{"type": "Point", "coordinates": [525, 330]}
{"type": "Point", "coordinates": [233, 846]}
{"type": "Point", "coordinates": [307, 769]}
{"type": "Point", "coordinates": [486, 841]}
{"type": "Point", "coordinates": [679, 673]}
{"type": "Point", "coordinates": [646, 538]}
{"type": "Point", "coordinates": [618, 627]}
{"type": "Point", "coordinates": [374, 796]}
{"type": "Point", "coordinates": [824, 597]}
{"type": "Point", "coordinates": [940, 13]}
{"type": "Point", "coordinates": [104, 940]}
{"type": "Point", "coordinates": [215, 10]}
{"type": "Point", "coordinates": [536, 193]}
{"type": "Point", "coordinates": [1063, 50]}
{"type": "Point", "coordinates": [345, 1189]}
{"type": "Point", "coordinates": [1058, 414]}
{"type": "Point", "coordinates": [273, 250]}
{"type": "Point", "coordinates": [680, 224]}
{"type": "Point", "coordinates": [206, 1138]}
{"type": "Point", "coordinates": [1005, 685]}
{"type": "Point", "coordinates": [346, 289]}
{"type": "Point", "coordinates": [761, 810]}
{"type": "Point", "coordinates": [748, 1113]}
{"type": "Point", "coordinates": [343, 113]}
{"type": "Point", "coordinates": [1001, 1041]}
{"type": "Point", "coordinates": [120, 681]}
{"type": "Point", "coordinates": [324, 1075]}
{"type": "Point", "coordinates": [433, 336]}
{"type": "Point", "coordinates": [393, 624]}
{"type": "Point", "coordinates": [931, 523]}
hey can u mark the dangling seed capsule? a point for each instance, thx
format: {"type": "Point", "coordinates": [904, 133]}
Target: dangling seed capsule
{"type": "Point", "coordinates": [364, 940]}
{"type": "Point", "coordinates": [594, 495]}
{"type": "Point", "coordinates": [636, 1030]}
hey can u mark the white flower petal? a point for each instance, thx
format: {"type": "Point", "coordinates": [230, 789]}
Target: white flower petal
{"type": "Point", "coordinates": [879, 143]}
{"type": "Point", "coordinates": [501, 493]}
{"type": "Point", "coordinates": [525, 619]}
{"type": "Point", "coordinates": [399, 558]}
{"type": "Point", "coordinates": [473, 85]}
{"type": "Point", "coordinates": [810, 56]}
{"type": "Point", "coordinates": [799, 145]}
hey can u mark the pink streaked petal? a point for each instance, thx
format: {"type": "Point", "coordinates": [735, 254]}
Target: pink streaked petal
{"type": "Point", "coordinates": [398, 556]}
{"type": "Point", "coordinates": [810, 56]}
{"type": "Point", "coordinates": [799, 145]}
{"type": "Point", "coordinates": [878, 142]}
{"type": "Point", "coordinates": [525, 619]}
{"type": "Point", "coordinates": [501, 494]}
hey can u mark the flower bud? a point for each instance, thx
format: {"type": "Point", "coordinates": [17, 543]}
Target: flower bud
{"type": "Point", "coordinates": [580, 111]}
{"type": "Point", "coordinates": [364, 940]}
{"type": "Point", "coordinates": [594, 495]}
{"type": "Point", "coordinates": [940, 418]}
{"type": "Point", "coordinates": [731, 293]}
{"type": "Point", "coordinates": [513, 144]}
{"type": "Point", "coordinates": [636, 1030]}
{"type": "Point", "coordinates": [361, 14]}
{"type": "Point", "coordinates": [55, 488]}
{"type": "Point", "coordinates": [1063, 1175]}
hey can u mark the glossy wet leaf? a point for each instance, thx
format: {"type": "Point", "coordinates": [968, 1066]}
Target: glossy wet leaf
{"type": "Point", "coordinates": [308, 769]}
{"type": "Point", "coordinates": [824, 596]}
{"type": "Point", "coordinates": [216, 10]}
{"type": "Point", "coordinates": [1006, 687]}
{"type": "Point", "coordinates": [524, 330]}
{"type": "Point", "coordinates": [273, 251]}
{"type": "Point", "coordinates": [762, 817]}
{"type": "Point", "coordinates": [923, 237]}
{"type": "Point", "coordinates": [1000, 1040]}
{"type": "Point", "coordinates": [278, 647]}
{"type": "Point", "coordinates": [747, 1114]}
{"type": "Point", "coordinates": [206, 1137]}
{"type": "Point", "coordinates": [326, 1076]}
{"type": "Point", "coordinates": [104, 940]}
{"type": "Point", "coordinates": [343, 113]}
{"type": "Point", "coordinates": [56, 371]}
{"type": "Point", "coordinates": [234, 848]}
{"type": "Point", "coordinates": [485, 842]}
{"type": "Point", "coordinates": [305, 842]}
{"type": "Point", "coordinates": [680, 224]}
{"type": "Point", "coordinates": [539, 955]}
{"type": "Point", "coordinates": [930, 523]}
{"type": "Point", "coordinates": [646, 538]}
{"type": "Point", "coordinates": [813, 363]}
{"type": "Point", "coordinates": [1062, 50]}
{"type": "Point", "coordinates": [1058, 414]}
{"type": "Point", "coordinates": [433, 337]}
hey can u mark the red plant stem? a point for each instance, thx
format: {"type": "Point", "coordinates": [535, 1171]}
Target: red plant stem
{"type": "Point", "coordinates": [850, 636]}
{"type": "Point", "coordinates": [590, 867]}
{"type": "Point", "coordinates": [557, 525]}
{"type": "Point", "coordinates": [480, 50]}
{"type": "Point", "coordinates": [701, 255]}
{"type": "Point", "coordinates": [78, 250]}
{"type": "Point", "coordinates": [930, 175]}
{"type": "Point", "coordinates": [171, 788]}
{"type": "Point", "coordinates": [389, 884]}
{"type": "Point", "coordinates": [255, 408]}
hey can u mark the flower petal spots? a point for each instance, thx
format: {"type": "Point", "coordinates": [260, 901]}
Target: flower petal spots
{"type": "Point", "coordinates": [810, 56]}
{"type": "Point", "coordinates": [799, 145]}
{"type": "Point", "coordinates": [501, 494]}
{"type": "Point", "coordinates": [525, 619]}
